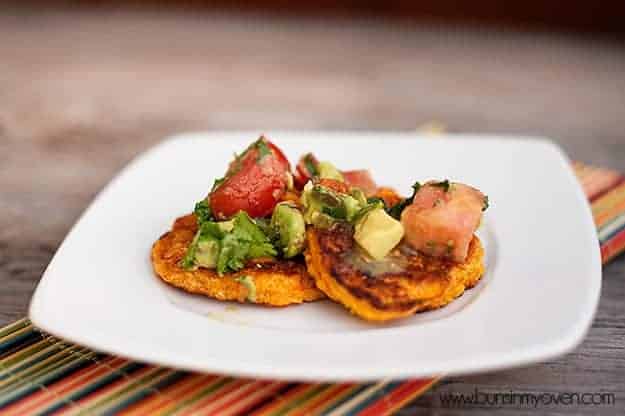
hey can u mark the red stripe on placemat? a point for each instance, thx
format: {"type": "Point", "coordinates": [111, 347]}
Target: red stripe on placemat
{"type": "Point", "coordinates": [598, 193]}
{"type": "Point", "coordinates": [43, 398]}
{"type": "Point", "coordinates": [283, 400]}
{"type": "Point", "coordinates": [244, 406]}
{"type": "Point", "coordinates": [193, 409]}
{"type": "Point", "coordinates": [406, 392]}
{"type": "Point", "coordinates": [169, 395]}
{"type": "Point", "coordinates": [229, 400]}
{"type": "Point", "coordinates": [117, 384]}
{"type": "Point", "coordinates": [613, 246]}
{"type": "Point", "coordinates": [315, 405]}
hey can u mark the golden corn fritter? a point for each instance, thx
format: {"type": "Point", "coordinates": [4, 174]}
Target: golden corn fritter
{"type": "Point", "coordinates": [403, 283]}
{"type": "Point", "coordinates": [276, 282]}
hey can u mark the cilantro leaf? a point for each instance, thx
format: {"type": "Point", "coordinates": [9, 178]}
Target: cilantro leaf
{"type": "Point", "coordinates": [396, 210]}
{"type": "Point", "coordinates": [485, 203]}
{"type": "Point", "coordinates": [232, 242]}
{"type": "Point", "coordinates": [445, 185]}
{"type": "Point", "coordinates": [263, 149]}
{"type": "Point", "coordinates": [203, 212]}
{"type": "Point", "coordinates": [376, 200]}
{"type": "Point", "coordinates": [245, 241]}
{"type": "Point", "coordinates": [217, 182]}
{"type": "Point", "coordinates": [372, 203]}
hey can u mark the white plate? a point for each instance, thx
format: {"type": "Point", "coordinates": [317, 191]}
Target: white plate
{"type": "Point", "coordinates": [535, 302]}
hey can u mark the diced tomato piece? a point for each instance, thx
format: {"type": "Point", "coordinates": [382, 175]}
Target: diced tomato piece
{"type": "Point", "coordinates": [442, 219]}
{"type": "Point", "coordinates": [337, 186]}
{"type": "Point", "coordinates": [361, 179]}
{"type": "Point", "coordinates": [388, 195]}
{"type": "Point", "coordinates": [304, 170]}
{"type": "Point", "coordinates": [255, 182]}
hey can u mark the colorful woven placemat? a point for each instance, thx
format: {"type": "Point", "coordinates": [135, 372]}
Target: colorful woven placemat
{"type": "Point", "coordinates": [40, 374]}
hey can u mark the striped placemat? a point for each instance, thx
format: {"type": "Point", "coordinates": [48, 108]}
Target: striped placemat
{"type": "Point", "coordinates": [40, 374]}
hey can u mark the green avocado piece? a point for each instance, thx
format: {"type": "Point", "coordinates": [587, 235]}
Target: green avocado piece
{"type": "Point", "coordinates": [328, 171]}
{"type": "Point", "coordinates": [288, 224]}
{"type": "Point", "coordinates": [207, 253]}
{"type": "Point", "coordinates": [249, 284]}
{"type": "Point", "coordinates": [378, 233]}
{"type": "Point", "coordinates": [352, 207]}
{"type": "Point", "coordinates": [324, 206]}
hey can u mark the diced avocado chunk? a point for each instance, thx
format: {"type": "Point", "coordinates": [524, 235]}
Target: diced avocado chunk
{"type": "Point", "coordinates": [226, 226]}
{"type": "Point", "coordinates": [352, 207]}
{"type": "Point", "coordinates": [324, 206]}
{"type": "Point", "coordinates": [288, 224]}
{"type": "Point", "coordinates": [248, 282]}
{"type": "Point", "coordinates": [378, 233]}
{"type": "Point", "coordinates": [328, 171]}
{"type": "Point", "coordinates": [207, 253]}
{"type": "Point", "coordinates": [313, 208]}
{"type": "Point", "coordinates": [359, 195]}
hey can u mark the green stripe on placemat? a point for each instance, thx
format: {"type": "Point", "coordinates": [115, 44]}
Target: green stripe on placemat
{"type": "Point", "coordinates": [40, 374]}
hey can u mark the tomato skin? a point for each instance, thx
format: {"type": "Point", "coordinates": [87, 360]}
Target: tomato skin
{"type": "Point", "coordinates": [254, 184]}
{"type": "Point", "coordinates": [361, 179]}
{"type": "Point", "coordinates": [298, 180]}
{"type": "Point", "coordinates": [302, 173]}
{"type": "Point", "coordinates": [279, 155]}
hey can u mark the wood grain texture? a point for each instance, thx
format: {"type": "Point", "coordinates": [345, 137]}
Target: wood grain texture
{"type": "Point", "coordinates": [82, 94]}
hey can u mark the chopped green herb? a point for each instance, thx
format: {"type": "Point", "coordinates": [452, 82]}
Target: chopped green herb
{"type": "Point", "coordinates": [396, 210]}
{"type": "Point", "coordinates": [217, 182]}
{"type": "Point", "coordinates": [265, 225]}
{"type": "Point", "coordinates": [203, 212]}
{"type": "Point", "coordinates": [263, 149]}
{"type": "Point", "coordinates": [376, 200]}
{"type": "Point", "coordinates": [245, 241]}
{"type": "Point", "coordinates": [237, 240]}
{"type": "Point", "coordinates": [337, 212]}
{"type": "Point", "coordinates": [248, 282]}
{"type": "Point", "coordinates": [485, 203]}
{"type": "Point", "coordinates": [372, 203]}
{"type": "Point", "coordinates": [445, 185]}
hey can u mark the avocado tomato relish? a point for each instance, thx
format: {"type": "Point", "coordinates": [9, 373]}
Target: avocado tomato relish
{"type": "Point", "coordinates": [261, 209]}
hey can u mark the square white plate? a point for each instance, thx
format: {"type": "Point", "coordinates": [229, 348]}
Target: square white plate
{"type": "Point", "coordinates": [535, 302]}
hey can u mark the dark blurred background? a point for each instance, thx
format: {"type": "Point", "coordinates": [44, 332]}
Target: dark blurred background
{"type": "Point", "coordinates": [577, 15]}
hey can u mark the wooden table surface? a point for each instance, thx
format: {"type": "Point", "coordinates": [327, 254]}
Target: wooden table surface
{"type": "Point", "coordinates": [82, 94]}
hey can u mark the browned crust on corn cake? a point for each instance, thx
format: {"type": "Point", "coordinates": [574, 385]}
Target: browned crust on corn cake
{"type": "Point", "coordinates": [423, 283]}
{"type": "Point", "coordinates": [278, 282]}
